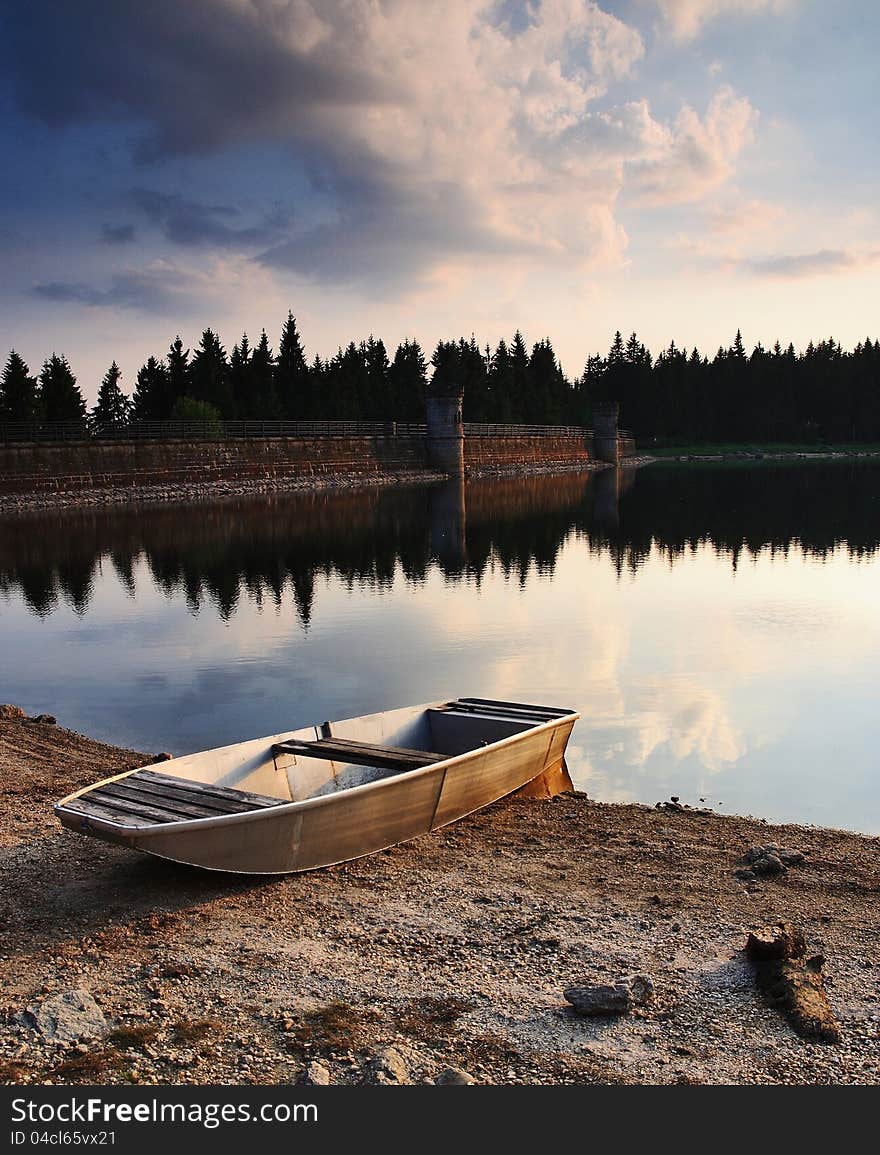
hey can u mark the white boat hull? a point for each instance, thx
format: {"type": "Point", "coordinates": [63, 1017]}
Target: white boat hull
{"type": "Point", "coordinates": [311, 817]}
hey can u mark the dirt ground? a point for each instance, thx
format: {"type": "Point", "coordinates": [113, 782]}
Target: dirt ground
{"type": "Point", "coordinates": [451, 951]}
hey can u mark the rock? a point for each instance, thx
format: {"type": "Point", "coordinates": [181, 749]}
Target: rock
{"type": "Point", "coordinates": [754, 853]}
{"type": "Point", "coordinates": [388, 1067]}
{"type": "Point", "coordinates": [764, 862]}
{"type": "Point", "coordinates": [769, 866]}
{"type": "Point", "coordinates": [791, 857]}
{"type": "Point", "coordinates": [70, 1016]}
{"type": "Point", "coordinates": [164, 756]}
{"type": "Point", "coordinates": [454, 1077]}
{"type": "Point", "coordinates": [16, 714]}
{"type": "Point", "coordinates": [768, 858]}
{"type": "Point", "coordinates": [599, 999]}
{"type": "Point", "coordinates": [746, 875]}
{"type": "Point", "coordinates": [316, 1074]}
{"type": "Point", "coordinates": [641, 989]}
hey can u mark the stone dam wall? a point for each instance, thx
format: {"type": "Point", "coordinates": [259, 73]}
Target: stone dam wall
{"type": "Point", "coordinates": [509, 454]}
{"type": "Point", "coordinates": [47, 467]}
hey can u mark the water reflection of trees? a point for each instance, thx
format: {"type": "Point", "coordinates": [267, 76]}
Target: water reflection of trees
{"type": "Point", "coordinates": [257, 548]}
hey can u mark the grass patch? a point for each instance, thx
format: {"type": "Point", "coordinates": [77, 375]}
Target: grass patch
{"type": "Point", "coordinates": [189, 1031]}
{"type": "Point", "coordinates": [337, 1027]}
{"type": "Point", "coordinates": [431, 1019]}
{"type": "Point", "coordinates": [491, 1050]}
{"type": "Point", "coordinates": [135, 1036]}
{"type": "Point", "coordinates": [87, 1067]}
{"type": "Point", "coordinates": [11, 1070]}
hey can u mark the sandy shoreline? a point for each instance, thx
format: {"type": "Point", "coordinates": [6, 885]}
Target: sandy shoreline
{"type": "Point", "coordinates": [450, 951]}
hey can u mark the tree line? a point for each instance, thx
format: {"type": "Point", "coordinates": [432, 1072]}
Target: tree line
{"type": "Point", "coordinates": [821, 394]}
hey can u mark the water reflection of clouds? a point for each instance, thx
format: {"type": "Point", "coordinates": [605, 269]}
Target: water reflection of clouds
{"type": "Point", "coordinates": [682, 715]}
{"type": "Point", "coordinates": [691, 678]}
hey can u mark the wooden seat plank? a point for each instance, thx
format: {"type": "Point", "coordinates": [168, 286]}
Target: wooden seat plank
{"type": "Point", "coordinates": [402, 752]}
{"type": "Point", "coordinates": [218, 804]}
{"type": "Point", "coordinates": [361, 753]}
{"type": "Point", "coordinates": [205, 788]}
{"type": "Point", "coordinates": [95, 810]}
{"type": "Point", "coordinates": [184, 809]}
{"type": "Point", "coordinates": [136, 809]}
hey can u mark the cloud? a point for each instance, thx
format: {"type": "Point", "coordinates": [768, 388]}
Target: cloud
{"type": "Point", "coordinates": [824, 262]}
{"type": "Point", "coordinates": [471, 131]}
{"type": "Point", "coordinates": [685, 18]}
{"type": "Point", "coordinates": [187, 222]}
{"type": "Point", "coordinates": [117, 234]}
{"type": "Point", "coordinates": [748, 217]}
{"type": "Point", "coordinates": [196, 73]}
{"type": "Point", "coordinates": [694, 156]}
{"type": "Point", "coordinates": [158, 289]}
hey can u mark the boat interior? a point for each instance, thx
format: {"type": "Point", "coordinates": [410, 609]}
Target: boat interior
{"type": "Point", "coordinates": [307, 763]}
{"type": "Point", "coordinates": [347, 753]}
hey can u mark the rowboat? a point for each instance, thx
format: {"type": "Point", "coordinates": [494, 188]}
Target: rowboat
{"type": "Point", "coordinates": [327, 793]}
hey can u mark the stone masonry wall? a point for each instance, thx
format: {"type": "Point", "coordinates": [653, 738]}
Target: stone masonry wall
{"type": "Point", "coordinates": [488, 453]}
{"type": "Point", "coordinates": [48, 467]}
{"type": "Point", "coordinates": [56, 467]}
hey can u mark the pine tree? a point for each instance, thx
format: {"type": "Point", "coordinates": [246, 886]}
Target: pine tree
{"type": "Point", "coordinates": [521, 399]}
{"type": "Point", "coordinates": [407, 378]}
{"type": "Point", "coordinates": [375, 404]}
{"type": "Point", "coordinates": [348, 383]}
{"type": "Point", "coordinates": [292, 375]}
{"type": "Point", "coordinates": [113, 406]}
{"type": "Point", "coordinates": [549, 399]}
{"type": "Point", "coordinates": [264, 403]}
{"type": "Point", "coordinates": [209, 375]}
{"type": "Point", "coordinates": [446, 361]}
{"type": "Point", "coordinates": [473, 380]}
{"type": "Point", "coordinates": [177, 380]}
{"type": "Point", "coordinates": [500, 384]}
{"type": "Point", "coordinates": [616, 354]}
{"type": "Point", "coordinates": [588, 388]}
{"type": "Point", "coordinates": [151, 401]}
{"type": "Point", "coordinates": [240, 379]}
{"type": "Point", "coordinates": [18, 391]}
{"type": "Point", "coordinates": [60, 397]}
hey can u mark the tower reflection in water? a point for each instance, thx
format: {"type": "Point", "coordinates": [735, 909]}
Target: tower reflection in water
{"type": "Point", "coordinates": [257, 547]}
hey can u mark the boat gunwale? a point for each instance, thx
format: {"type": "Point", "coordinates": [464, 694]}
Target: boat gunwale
{"type": "Point", "coordinates": [285, 808]}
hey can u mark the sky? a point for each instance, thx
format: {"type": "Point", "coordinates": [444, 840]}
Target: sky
{"type": "Point", "coordinates": [428, 170]}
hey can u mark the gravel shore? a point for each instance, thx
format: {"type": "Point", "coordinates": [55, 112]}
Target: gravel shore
{"type": "Point", "coordinates": [442, 959]}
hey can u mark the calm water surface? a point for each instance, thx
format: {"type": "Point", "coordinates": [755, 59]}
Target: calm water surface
{"type": "Point", "coordinates": [718, 627]}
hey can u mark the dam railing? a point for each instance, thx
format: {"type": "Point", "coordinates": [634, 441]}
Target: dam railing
{"type": "Point", "coordinates": [55, 431]}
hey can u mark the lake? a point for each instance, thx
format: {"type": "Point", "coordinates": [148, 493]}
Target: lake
{"type": "Point", "coordinates": [717, 625]}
